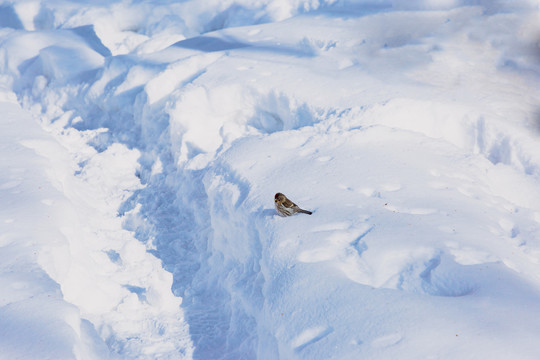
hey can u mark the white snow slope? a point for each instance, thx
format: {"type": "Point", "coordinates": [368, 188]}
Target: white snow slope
{"type": "Point", "coordinates": [143, 143]}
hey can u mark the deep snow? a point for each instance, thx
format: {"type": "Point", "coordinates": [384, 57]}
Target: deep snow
{"type": "Point", "coordinates": [145, 141]}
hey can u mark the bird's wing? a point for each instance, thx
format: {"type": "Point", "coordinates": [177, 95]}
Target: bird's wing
{"type": "Point", "coordinates": [288, 203]}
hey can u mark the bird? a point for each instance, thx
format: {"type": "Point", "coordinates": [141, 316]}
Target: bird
{"type": "Point", "coordinates": [286, 207]}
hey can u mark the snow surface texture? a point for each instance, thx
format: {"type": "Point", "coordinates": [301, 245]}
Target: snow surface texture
{"type": "Point", "coordinates": [144, 141]}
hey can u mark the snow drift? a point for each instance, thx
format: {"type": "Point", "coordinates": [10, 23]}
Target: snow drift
{"type": "Point", "coordinates": [411, 132]}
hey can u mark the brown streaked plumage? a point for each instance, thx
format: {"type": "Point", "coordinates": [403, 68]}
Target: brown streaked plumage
{"type": "Point", "coordinates": [286, 207]}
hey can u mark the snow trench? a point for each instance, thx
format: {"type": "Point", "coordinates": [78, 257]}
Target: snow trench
{"type": "Point", "coordinates": [128, 127]}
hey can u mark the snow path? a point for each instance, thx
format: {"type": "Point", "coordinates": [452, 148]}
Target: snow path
{"type": "Point", "coordinates": [416, 146]}
{"type": "Point", "coordinates": [63, 245]}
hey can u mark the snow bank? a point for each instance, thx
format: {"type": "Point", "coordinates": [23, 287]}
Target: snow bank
{"type": "Point", "coordinates": [36, 320]}
{"type": "Point", "coordinates": [385, 259]}
{"type": "Point", "coordinates": [410, 130]}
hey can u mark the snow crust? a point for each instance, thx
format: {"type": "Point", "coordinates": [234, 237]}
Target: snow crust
{"type": "Point", "coordinates": [144, 141]}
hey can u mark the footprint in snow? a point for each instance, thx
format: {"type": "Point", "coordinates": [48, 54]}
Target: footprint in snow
{"type": "Point", "coordinates": [509, 227]}
{"type": "Point", "coordinates": [324, 158]}
{"type": "Point", "coordinates": [387, 340]}
{"type": "Point", "coordinates": [310, 336]}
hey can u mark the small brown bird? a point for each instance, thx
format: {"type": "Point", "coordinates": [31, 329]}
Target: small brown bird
{"type": "Point", "coordinates": [286, 207]}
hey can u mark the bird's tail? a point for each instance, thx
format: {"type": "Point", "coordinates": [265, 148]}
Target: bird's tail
{"type": "Point", "coordinates": [305, 211]}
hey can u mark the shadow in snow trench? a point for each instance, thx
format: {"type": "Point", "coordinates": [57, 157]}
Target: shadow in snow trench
{"type": "Point", "coordinates": [210, 44]}
{"type": "Point", "coordinates": [215, 44]}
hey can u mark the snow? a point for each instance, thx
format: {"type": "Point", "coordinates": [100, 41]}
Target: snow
{"type": "Point", "coordinates": [144, 143]}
